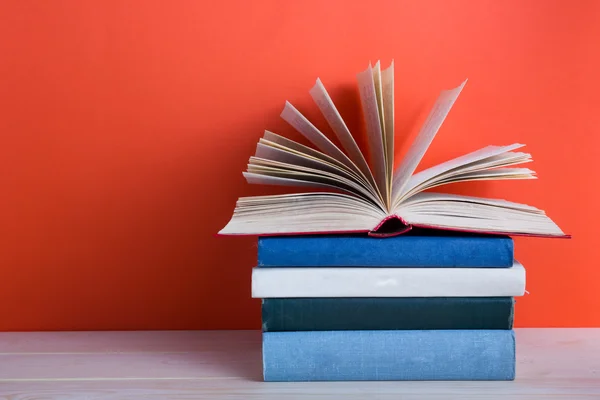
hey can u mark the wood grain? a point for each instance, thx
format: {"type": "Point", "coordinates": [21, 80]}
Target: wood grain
{"type": "Point", "coordinates": [561, 363]}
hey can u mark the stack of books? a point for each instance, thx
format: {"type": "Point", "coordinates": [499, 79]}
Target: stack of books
{"type": "Point", "coordinates": [428, 306]}
{"type": "Point", "coordinates": [352, 287]}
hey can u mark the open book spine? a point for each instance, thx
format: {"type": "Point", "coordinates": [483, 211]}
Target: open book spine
{"type": "Point", "coordinates": [403, 227]}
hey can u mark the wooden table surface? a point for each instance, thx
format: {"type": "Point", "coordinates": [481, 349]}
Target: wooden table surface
{"type": "Point", "coordinates": [551, 363]}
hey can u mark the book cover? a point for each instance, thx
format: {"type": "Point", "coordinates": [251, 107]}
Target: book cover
{"type": "Point", "coordinates": [394, 313]}
{"type": "Point", "coordinates": [435, 250]}
{"type": "Point", "coordinates": [296, 282]}
{"type": "Point", "coordinates": [389, 355]}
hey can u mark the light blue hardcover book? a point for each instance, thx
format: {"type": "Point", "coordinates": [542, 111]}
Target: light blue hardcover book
{"type": "Point", "coordinates": [389, 355]}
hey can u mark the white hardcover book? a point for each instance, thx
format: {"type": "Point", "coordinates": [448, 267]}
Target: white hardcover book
{"type": "Point", "coordinates": [388, 282]}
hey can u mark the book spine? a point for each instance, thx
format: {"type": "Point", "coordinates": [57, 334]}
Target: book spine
{"type": "Point", "coordinates": [402, 251]}
{"type": "Point", "coordinates": [388, 282]}
{"type": "Point", "coordinates": [409, 313]}
{"type": "Point", "coordinates": [389, 355]}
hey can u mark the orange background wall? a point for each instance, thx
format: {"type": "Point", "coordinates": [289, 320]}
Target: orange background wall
{"type": "Point", "coordinates": [126, 125]}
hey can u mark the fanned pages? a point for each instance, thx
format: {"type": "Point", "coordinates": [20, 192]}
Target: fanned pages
{"type": "Point", "coordinates": [360, 193]}
{"type": "Point", "coordinates": [337, 124]}
{"type": "Point", "coordinates": [387, 86]}
{"type": "Point", "coordinates": [370, 107]}
{"type": "Point", "coordinates": [425, 137]}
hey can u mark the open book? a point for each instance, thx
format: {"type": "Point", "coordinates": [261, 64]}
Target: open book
{"type": "Point", "coordinates": [353, 195]}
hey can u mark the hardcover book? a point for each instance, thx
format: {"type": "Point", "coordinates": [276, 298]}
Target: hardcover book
{"type": "Point", "coordinates": [393, 313]}
{"type": "Point", "coordinates": [389, 355]}
{"type": "Point", "coordinates": [436, 250]}
{"type": "Point", "coordinates": [295, 282]}
{"type": "Point", "coordinates": [346, 193]}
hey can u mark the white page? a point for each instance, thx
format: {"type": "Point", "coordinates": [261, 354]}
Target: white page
{"type": "Point", "coordinates": [379, 97]}
{"type": "Point", "coordinates": [292, 116]}
{"type": "Point", "coordinates": [508, 225]}
{"type": "Point", "coordinates": [260, 179]}
{"type": "Point", "coordinates": [294, 201]}
{"type": "Point", "coordinates": [433, 197]}
{"type": "Point", "coordinates": [433, 123]}
{"type": "Point", "coordinates": [387, 84]}
{"type": "Point", "coordinates": [294, 171]}
{"type": "Point", "coordinates": [337, 124]}
{"type": "Point", "coordinates": [368, 97]}
{"type": "Point", "coordinates": [498, 173]}
{"type": "Point", "coordinates": [442, 210]}
{"type": "Point", "coordinates": [476, 214]}
{"type": "Point", "coordinates": [491, 163]}
{"type": "Point", "coordinates": [277, 154]}
{"type": "Point", "coordinates": [491, 175]}
{"type": "Point", "coordinates": [300, 148]}
{"type": "Point", "coordinates": [304, 212]}
{"type": "Point", "coordinates": [430, 173]}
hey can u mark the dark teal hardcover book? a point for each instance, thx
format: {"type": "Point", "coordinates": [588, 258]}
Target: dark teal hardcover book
{"type": "Point", "coordinates": [434, 250]}
{"type": "Point", "coordinates": [399, 313]}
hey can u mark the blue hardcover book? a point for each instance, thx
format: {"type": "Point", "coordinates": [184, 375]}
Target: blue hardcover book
{"type": "Point", "coordinates": [389, 355]}
{"type": "Point", "coordinates": [432, 250]}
